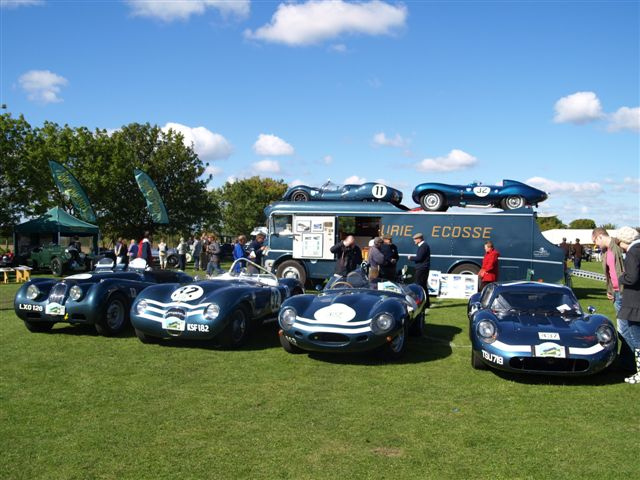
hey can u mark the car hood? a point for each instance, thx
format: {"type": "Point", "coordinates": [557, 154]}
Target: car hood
{"type": "Point", "coordinates": [529, 327]}
{"type": "Point", "coordinates": [346, 306]}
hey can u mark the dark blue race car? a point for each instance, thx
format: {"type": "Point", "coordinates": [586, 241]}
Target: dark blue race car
{"type": "Point", "coordinates": [539, 328]}
{"type": "Point", "coordinates": [511, 195]}
{"type": "Point", "coordinates": [101, 297]}
{"type": "Point", "coordinates": [223, 308]}
{"type": "Point", "coordinates": [353, 314]}
{"type": "Point", "coordinates": [330, 191]}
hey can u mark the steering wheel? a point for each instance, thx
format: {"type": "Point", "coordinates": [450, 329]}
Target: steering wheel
{"type": "Point", "coordinates": [342, 282]}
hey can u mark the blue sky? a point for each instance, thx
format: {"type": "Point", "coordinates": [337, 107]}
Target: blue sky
{"type": "Point", "coordinates": [401, 92]}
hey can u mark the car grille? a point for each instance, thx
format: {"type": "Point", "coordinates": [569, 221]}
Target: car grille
{"type": "Point", "coordinates": [57, 293]}
{"type": "Point", "coordinates": [549, 364]}
{"type": "Point", "coordinates": [327, 337]}
{"type": "Point", "coordinates": [175, 312]}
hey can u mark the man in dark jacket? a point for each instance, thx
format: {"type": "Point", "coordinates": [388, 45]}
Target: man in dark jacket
{"type": "Point", "coordinates": [348, 254]}
{"type": "Point", "coordinates": [391, 256]}
{"type": "Point", "coordinates": [422, 259]}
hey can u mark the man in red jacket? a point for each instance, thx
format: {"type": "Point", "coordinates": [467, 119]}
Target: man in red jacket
{"type": "Point", "coordinates": [489, 271]}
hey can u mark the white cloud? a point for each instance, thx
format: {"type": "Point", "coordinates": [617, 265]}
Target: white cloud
{"type": "Point", "coordinates": [170, 10]}
{"type": "Point", "coordinates": [552, 186]}
{"type": "Point", "coordinates": [355, 179]}
{"type": "Point", "coordinates": [339, 48]}
{"type": "Point", "coordinates": [578, 108]}
{"type": "Point", "coordinates": [42, 86]}
{"type": "Point", "coordinates": [208, 145]}
{"type": "Point", "coordinates": [295, 182]}
{"type": "Point", "coordinates": [318, 20]}
{"type": "Point", "coordinates": [267, 166]}
{"type": "Point", "coordinates": [19, 3]}
{"type": "Point", "coordinates": [328, 160]}
{"type": "Point", "coordinates": [213, 170]}
{"type": "Point", "coordinates": [455, 160]}
{"type": "Point", "coordinates": [397, 141]}
{"type": "Point", "coordinates": [625, 118]}
{"type": "Point", "coordinates": [270, 145]}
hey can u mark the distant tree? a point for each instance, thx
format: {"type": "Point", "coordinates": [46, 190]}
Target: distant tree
{"type": "Point", "coordinates": [549, 223]}
{"type": "Point", "coordinates": [242, 203]}
{"type": "Point", "coordinates": [583, 223]}
{"type": "Point", "coordinates": [608, 226]}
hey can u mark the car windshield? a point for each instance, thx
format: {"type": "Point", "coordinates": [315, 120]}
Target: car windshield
{"type": "Point", "coordinates": [358, 279]}
{"type": "Point", "coordinates": [331, 187]}
{"type": "Point", "coordinates": [546, 303]}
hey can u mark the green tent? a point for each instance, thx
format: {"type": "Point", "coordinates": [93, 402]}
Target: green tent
{"type": "Point", "coordinates": [56, 222]}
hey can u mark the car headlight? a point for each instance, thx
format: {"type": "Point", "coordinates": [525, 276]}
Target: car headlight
{"type": "Point", "coordinates": [487, 331]}
{"type": "Point", "coordinates": [605, 335]}
{"type": "Point", "coordinates": [141, 307]}
{"type": "Point", "coordinates": [287, 317]}
{"type": "Point", "coordinates": [382, 323]}
{"type": "Point", "coordinates": [211, 312]}
{"type": "Point", "coordinates": [75, 293]}
{"type": "Point", "coordinates": [32, 292]}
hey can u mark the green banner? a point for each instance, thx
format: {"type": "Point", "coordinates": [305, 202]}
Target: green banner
{"type": "Point", "coordinates": [72, 191]}
{"type": "Point", "coordinates": [152, 196]}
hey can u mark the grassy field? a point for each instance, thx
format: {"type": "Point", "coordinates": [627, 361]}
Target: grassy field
{"type": "Point", "coordinates": [76, 405]}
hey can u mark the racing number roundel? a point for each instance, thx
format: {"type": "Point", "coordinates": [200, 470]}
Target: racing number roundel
{"type": "Point", "coordinates": [481, 191]}
{"type": "Point", "coordinates": [187, 293]}
{"type": "Point", "coordinates": [379, 190]}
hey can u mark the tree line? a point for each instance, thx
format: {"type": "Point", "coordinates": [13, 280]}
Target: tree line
{"type": "Point", "coordinates": [103, 162]}
{"type": "Point", "coordinates": [550, 223]}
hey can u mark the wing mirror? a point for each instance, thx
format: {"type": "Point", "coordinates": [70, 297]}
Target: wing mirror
{"type": "Point", "coordinates": [474, 307]}
{"type": "Point", "coordinates": [591, 309]}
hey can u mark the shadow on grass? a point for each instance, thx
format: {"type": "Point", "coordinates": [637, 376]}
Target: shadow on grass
{"type": "Point", "coordinates": [609, 376]}
{"type": "Point", "coordinates": [585, 293]}
{"type": "Point", "coordinates": [88, 330]}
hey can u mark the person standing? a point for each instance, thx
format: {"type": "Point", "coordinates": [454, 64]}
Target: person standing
{"type": "Point", "coordinates": [391, 257]}
{"type": "Point", "coordinates": [132, 252]}
{"type": "Point", "coordinates": [376, 258]}
{"type": "Point", "coordinates": [144, 249]}
{"type": "Point", "coordinates": [577, 254]}
{"type": "Point", "coordinates": [489, 271]}
{"type": "Point", "coordinates": [256, 252]}
{"type": "Point", "coordinates": [182, 249]}
{"type": "Point", "coordinates": [204, 255]}
{"type": "Point", "coordinates": [348, 254]}
{"type": "Point", "coordinates": [196, 250]}
{"type": "Point", "coordinates": [630, 307]}
{"type": "Point", "coordinates": [213, 250]}
{"type": "Point", "coordinates": [162, 254]}
{"type": "Point", "coordinates": [239, 252]}
{"type": "Point", "coordinates": [120, 251]}
{"type": "Point", "coordinates": [422, 259]}
{"type": "Point", "coordinates": [565, 261]}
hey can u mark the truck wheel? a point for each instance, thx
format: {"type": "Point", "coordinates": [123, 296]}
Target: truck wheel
{"type": "Point", "coordinates": [288, 346]}
{"type": "Point", "coordinates": [417, 327]}
{"type": "Point", "coordinates": [144, 338]}
{"type": "Point", "coordinates": [513, 202]}
{"type": "Point", "coordinates": [115, 317]}
{"type": "Point", "coordinates": [237, 330]}
{"type": "Point", "coordinates": [299, 196]}
{"type": "Point", "coordinates": [433, 202]}
{"type": "Point", "coordinates": [466, 269]}
{"type": "Point", "coordinates": [56, 267]}
{"type": "Point", "coordinates": [38, 327]}
{"type": "Point", "coordinates": [476, 362]}
{"type": "Point", "coordinates": [292, 269]}
{"type": "Point", "coordinates": [394, 349]}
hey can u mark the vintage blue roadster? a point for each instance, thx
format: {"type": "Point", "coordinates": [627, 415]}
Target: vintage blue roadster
{"type": "Point", "coordinates": [224, 308]}
{"type": "Point", "coordinates": [373, 192]}
{"type": "Point", "coordinates": [511, 195]}
{"type": "Point", "coordinates": [101, 297]}
{"type": "Point", "coordinates": [539, 328]}
{"type": "Point", "coordinates": [353, 314]}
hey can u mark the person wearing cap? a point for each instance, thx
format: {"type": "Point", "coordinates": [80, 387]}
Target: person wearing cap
{"type": "Point", "coordinates": [376, 258]}
{"type": "Point", "coordinates": [422, 259]}
{"type": "Point", "coordinates": [348, 254]}
{"type": "Point", "coordinates": [629, 241]}
{"type": "Point", "coordinates": [391, 257]}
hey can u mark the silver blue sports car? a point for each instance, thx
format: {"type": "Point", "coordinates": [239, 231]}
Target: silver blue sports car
{"type": "Point", "coordinates": [511, 195]}
{"type": "Point", "coordinates": [374, 192]}
{"type": "Point", "coordinates": [539, 328]}
{"type": "Point", "coordinates": [353, 314]}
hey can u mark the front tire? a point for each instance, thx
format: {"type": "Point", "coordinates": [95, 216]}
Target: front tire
{"type": "Point", "coordinates": [513, 202]}
{"type": "Point", "coordinates": [433, 202]}
{"type": "Point", "coordinates": [292, 269]}
{"type": "Point", "coordinates": [476, 362]}
{"type": "Point", "coordinates": [56, 267]}
{"type": "Point", "coordinates": [115, 318]}
{"type": "Point", "coordinates": [396, 348]}
{"type": "Point", "coordinates": [299, 196]}
{"type": "Point", "coordinates": [172, 261]}
{"type": "Point", "coordinates": [417, 327]}
{"type": "Point", "coordinates": [38, 327]}
{"type": "Point", "coordinates": [144, 338]}
{"type": "Point", "coordinates": [237, 331]}
{"type": "Point", "coordinates": [288, 346]}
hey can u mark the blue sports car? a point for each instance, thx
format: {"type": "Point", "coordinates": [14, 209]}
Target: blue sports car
{"type": "Point", "coordinates": [353, 314]}
{"type": "Point", "coordinates": [223, 308]}
{"type": "Point", "coordinates": [539, 328]}
{"type": "Point", "coordinates": [434, 197]}
{"type": "Point", "coordinates": [330, 191]}
{"type": "Point", "coordinates": [101, 297]}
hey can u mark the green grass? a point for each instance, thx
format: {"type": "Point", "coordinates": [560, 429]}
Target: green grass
{"type": "Point", "coordinates": [76, 405]}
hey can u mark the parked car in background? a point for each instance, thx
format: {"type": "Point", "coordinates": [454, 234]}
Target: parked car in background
{"type": "Point", "coordinates": [530, 327]}
{"type": "Point", "coordinates": [511, 195]}
{"type": "Point", "coordinates": [101, 298]}
{"type": "Point", "coordinates": [330, 191]}
{"type": "Point", "coordinates": [58, 259]}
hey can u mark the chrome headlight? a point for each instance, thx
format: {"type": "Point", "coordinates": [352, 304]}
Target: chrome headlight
{"type": "Point", "coordinates": [32, 292]}
{"type": "Point", "coordinates": [287, 317]}
{"type": "Point", "coordinates": [141, 307]}
{"type": "Point", "coordinates": [487, 331]}
{"type": "Point", "coordinates": [75, 293]}
{"type": "Point", "coordinates": [382, 323]}
{"type": "Point", "coordinates": [211, 312]}
{"type": "Point", "coordinates": [605, 335]}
